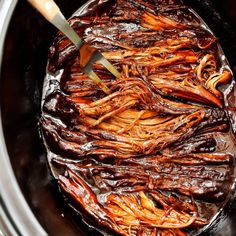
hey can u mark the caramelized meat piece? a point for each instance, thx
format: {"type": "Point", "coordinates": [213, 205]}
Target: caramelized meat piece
{"type": "Point", "coordinates": [150, 157]}
{"type": "Point", "coordinates": [129, 213]}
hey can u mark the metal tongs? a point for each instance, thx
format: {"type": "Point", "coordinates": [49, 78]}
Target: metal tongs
{"type": "Point", "coordinates": [88, 54]}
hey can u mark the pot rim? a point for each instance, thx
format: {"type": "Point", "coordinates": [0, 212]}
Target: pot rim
{"type": "Point", "coordinates": [16, 217]}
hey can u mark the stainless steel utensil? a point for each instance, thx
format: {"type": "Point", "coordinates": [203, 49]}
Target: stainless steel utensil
{"type": "Point", "coordinates": [88, 54]}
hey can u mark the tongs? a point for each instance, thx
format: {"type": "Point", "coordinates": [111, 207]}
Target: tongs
{"type": "Point", "coordinates": [88, 54]}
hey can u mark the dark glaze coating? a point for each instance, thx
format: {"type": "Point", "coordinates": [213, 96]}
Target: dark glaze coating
{"type": "Point", "coordinates": [156, 156]}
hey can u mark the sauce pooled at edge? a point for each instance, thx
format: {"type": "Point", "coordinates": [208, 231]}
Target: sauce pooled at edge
{"type": "Point", "coordinates": [156, 156]}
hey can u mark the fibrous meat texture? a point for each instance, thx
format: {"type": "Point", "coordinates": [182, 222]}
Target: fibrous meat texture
{"type": "Point", "coordinates": [143, 159]}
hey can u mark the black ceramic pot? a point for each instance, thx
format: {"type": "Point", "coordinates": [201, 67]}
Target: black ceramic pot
{"type": "Point", "coordinates": [29, 201]}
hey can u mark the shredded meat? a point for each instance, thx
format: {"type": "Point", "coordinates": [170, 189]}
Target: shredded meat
{"type": "Point", "coordinates": [144, 159]}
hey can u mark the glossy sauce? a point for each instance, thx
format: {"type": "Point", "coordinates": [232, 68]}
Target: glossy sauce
{"type": "Point", "coordinates": [225, 141]}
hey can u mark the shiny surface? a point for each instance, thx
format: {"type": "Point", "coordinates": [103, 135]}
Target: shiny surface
{"type": "Point", "coordinates": [21, 83]}
{"type": "Point", "coordinates": [10, 208]}
{"type": "Point", "coordinates": [19, 108]}
{"type": "Point", "coordinates": [52, 13]}
{"type": "Point", "coordinates": [100, 139]}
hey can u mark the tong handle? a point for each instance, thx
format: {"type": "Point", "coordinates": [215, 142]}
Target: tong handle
{"type": "Point", "coordinates": [48, 8]}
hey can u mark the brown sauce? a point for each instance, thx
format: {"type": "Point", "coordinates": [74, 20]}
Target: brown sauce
{"type": "Point", "coordinates": [163, 165]}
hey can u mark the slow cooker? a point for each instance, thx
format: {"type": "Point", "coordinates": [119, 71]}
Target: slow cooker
{"type": "Point", "coordinates": [29, 200]}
